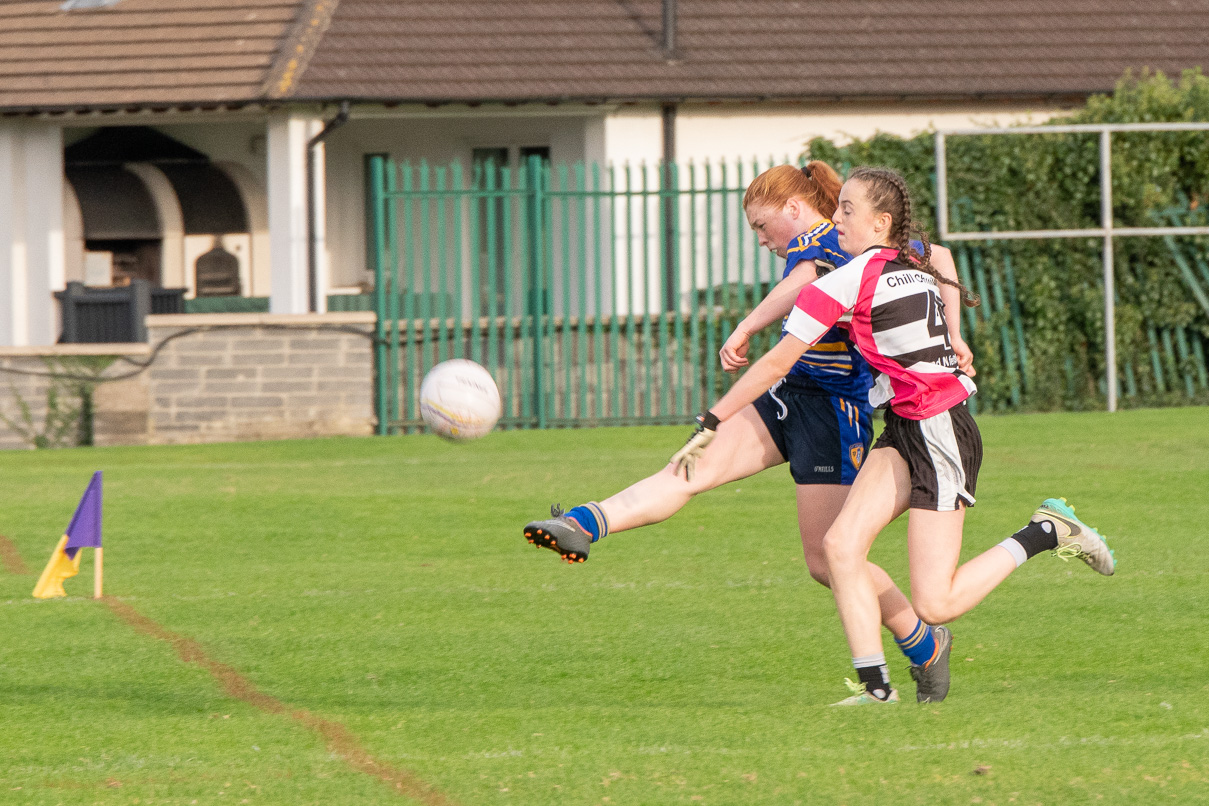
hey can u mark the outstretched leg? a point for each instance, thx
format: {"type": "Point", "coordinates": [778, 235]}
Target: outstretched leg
{"type": "Point", "coordinates": [742, 448]}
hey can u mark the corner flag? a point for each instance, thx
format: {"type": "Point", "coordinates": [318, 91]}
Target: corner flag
{"type": "Point", "coordinates": [84, 531]}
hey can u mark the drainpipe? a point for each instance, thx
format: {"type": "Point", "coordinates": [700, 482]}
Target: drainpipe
{"type": "Point", "coordinates": [671, 288]}
{"type": "Point", "coordinates": [669, 29]}
{"type": "Point", "coordinates": [667, 182]}
{"type": "Point", "coordinates": [312, 251]}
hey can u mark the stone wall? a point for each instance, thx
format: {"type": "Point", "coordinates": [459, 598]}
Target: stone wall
{"type": "Point", "coordinates": [210, 378]}
{"type": "Point", "coordinates": [42, 392]}
{"type": "Point", "coordinates": [220, 377]}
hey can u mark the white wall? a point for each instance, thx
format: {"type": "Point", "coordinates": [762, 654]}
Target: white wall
{"type": "Point", "coordinates": [73, 236]}
{"type": "Point", "coordinates": [738, 135]}
{"type": "Point", "coordinates": [747, 131]}
{"type": "Point", "coordinates": [174, 272]}
{"type": "Point", "coordinates": [243, 142]}
{"type": "Point", "coordinates": [32, 264]}
{"type": "Point", "coordinates": [619, 135]}
{"type": "Point", "coordinates": [288, 226]}
{"type": "Point", "coordinates": [256, 204]}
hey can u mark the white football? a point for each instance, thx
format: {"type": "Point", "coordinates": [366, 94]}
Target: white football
{"type": "Point", "coordinates": [459, 400]}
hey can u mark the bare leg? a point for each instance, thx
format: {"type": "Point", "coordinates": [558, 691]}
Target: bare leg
{"type": "Point", "coordinates": [818, 507]}
{"type": "Point", "coordinates": [879, 495]}
{"type": "Point", "coordinates": [742, 448]}
{"type": "Point", "coordinates": [942, 590]}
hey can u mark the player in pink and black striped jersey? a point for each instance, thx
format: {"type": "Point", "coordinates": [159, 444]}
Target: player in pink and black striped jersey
{"type": "Point", "coordinates": [818, 420]}
{"type": "Point", "coordinates": [927, 458]}
{"type": "Point", "coordinates": [896, 318]}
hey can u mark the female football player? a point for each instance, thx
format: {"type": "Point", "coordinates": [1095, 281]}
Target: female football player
{"type": "Point", "coordinates": [817, 418]}
{"type": "Point", "coordinates": [926, 460]}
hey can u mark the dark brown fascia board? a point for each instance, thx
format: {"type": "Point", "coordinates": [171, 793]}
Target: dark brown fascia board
{"type": "Point", "coordinates": [1064, 96]}
{"type": "Point", "coordinates": [266, 104]}
{"type": "Point", "coordinates": [137, 108]}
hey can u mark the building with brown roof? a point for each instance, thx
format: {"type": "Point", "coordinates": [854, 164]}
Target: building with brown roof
{"type": "Point", "coordinates": [138, 137]}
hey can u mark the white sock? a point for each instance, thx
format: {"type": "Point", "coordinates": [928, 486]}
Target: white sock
{"type": "Point", "coordinates": [1013, 547]}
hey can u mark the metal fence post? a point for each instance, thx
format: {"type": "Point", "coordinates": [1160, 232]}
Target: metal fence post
{"type": "Point", "coordinates": [1107, 231]}
{"type": "Point", "coordinates": [394, 384]}
{"type": "Point", "coordinates": [378, 233]}
{"type": "Point", "coordinates": [536, 238]}
{"type": "Point", "coordinates": [1110, 320]}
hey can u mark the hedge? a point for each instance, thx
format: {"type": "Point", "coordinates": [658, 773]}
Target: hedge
{"type": "Point", "coordinates": [1039, 338]}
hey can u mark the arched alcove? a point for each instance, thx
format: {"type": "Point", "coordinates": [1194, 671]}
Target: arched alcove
{"type": "Point", "coordinates": [256, 206]}
{"type": "Point", "coordinates": [172, 265]}
{"type": "Point", "coordinates": [119, 218]}
{"type": "Point", "coordinates": [146, 197]}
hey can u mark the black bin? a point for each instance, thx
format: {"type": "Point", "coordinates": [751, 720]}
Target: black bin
{"type": "Point", "coordinates": [106, 315]}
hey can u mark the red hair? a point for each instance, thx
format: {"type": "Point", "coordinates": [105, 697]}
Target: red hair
{"type": "Point", "coordinates": [816, 183]}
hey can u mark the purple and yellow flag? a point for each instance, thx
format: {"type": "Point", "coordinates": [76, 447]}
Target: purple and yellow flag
{"type": "Point", "coordinates": [84, 531]}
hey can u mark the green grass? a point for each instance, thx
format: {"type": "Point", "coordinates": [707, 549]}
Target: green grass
{"type": "Point", "coordinates": [384, 584]}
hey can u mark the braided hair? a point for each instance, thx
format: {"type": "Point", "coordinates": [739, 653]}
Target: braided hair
{"type": "Point", "coordinates": [887, 193]}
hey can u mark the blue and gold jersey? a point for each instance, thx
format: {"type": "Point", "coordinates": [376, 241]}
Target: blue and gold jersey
{"type": "Point", "coordinates": [833, 365]}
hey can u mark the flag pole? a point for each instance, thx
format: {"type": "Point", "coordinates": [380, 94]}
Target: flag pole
{"type": "Point", "coordinates": [98, 572]}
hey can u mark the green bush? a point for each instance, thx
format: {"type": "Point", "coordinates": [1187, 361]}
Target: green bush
{"type": "Point", "coordinates": [1052, 181]}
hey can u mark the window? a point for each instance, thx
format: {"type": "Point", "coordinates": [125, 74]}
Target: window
{"type": "Point", "coordinates": [370, 244]}
{"type": "Point", "coordinates": [534, 151]}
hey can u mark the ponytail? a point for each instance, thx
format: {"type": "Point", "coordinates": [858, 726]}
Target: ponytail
{"type": "Point", "coordinates": [816, 183]}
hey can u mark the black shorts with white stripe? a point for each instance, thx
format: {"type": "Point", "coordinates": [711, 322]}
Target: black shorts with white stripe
{"type": "Point", "coordinates": [943, 454]}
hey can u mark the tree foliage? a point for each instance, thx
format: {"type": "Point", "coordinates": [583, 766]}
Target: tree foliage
{"type": "Point", "coordinates": [1052, 181]}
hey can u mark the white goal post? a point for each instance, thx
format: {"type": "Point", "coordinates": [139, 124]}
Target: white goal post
{"type": "Point", "coordinates": [1106, 230]}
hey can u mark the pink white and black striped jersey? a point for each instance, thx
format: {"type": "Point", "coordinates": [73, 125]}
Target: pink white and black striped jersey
{"type": "Point", "coordinates": [897, 321]}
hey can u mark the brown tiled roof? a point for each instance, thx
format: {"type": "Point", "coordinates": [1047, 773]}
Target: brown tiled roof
{"type": "Point", "coordinates": [180, 52]}
{"type": "Point", "coordinates": [526, 50]}
{"type": "Point", "coordinates": [140, 51]}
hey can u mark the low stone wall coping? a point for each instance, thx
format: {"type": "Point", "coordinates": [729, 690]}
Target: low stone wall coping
{"type": "Point", "coordinates": [55, 350]}
{"type": "Point", "coordinates": [258, 319]}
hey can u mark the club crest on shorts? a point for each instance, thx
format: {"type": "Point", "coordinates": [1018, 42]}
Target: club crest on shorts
{"type": "Point", "coordinates": [857, 453]}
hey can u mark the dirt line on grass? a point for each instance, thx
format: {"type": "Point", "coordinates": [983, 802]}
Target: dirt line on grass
{"type": "Point", "coordinates": [11, 557]}
{"type": "Point", "coordinates": [338, 738]}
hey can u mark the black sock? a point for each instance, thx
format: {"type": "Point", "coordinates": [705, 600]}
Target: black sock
{"type": "Point", "coordinates": [1037, 537]}
{"type": "Point", "coordinates": [876, 680]}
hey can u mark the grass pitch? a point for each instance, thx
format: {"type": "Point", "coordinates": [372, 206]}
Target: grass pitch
{"type": "Point", "coordinates": [383, 584]}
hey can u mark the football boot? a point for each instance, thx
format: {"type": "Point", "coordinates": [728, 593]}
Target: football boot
{"type": "Point", "coordinates": [561, 534]}
{"type": "Point", "coordinates": [862, 697]}
{"type": "Point", "coordinates": [1075, 538]}
{"type": "Point", "coordinates": [932, 679]}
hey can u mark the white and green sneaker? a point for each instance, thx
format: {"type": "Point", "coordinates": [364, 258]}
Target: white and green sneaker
{"type": "Point", "coordinates": [862, 697]}
{"type": "Point", "coordinates": [1075, 538]}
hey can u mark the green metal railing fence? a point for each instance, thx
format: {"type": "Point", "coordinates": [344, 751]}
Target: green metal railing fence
{"type": "Point", "coordinates": [594, 295]}
{"type": "Point", "coordinates": [601, 295]}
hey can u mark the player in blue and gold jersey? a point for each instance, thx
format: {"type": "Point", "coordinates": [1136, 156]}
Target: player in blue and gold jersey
{"type": "Point", "coordinates": [829, 385]}
{"type": "Point", "coordinates": [818, 419]}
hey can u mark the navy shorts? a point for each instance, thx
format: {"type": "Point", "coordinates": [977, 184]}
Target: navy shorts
{"type": "Point", "coordinates": [823, 437]}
